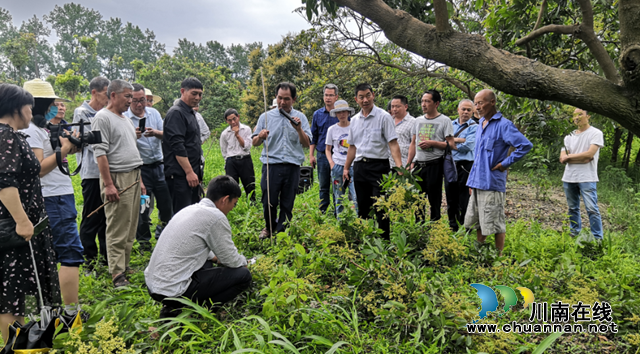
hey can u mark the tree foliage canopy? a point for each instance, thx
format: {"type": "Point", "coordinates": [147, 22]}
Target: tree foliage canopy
{"type": "Point", "coordinates": [565, 55]}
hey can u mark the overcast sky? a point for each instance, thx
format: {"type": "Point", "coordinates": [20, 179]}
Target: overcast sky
{"type": "Point", "coordinates": [227, 22]}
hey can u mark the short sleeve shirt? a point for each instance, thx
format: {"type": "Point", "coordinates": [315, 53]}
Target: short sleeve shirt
{"type": "Point", "coordinates": [371, 134]}
{"type": "Point", "coordinates": [337, 137]}
{"type": "Point", "coordinates": [436, 129]}
{"type": "Point", "coordinates": [150, 147]}
{"type": "Point", "coordinates": [284, 142]}
{"type": "Point", "coordinates": [54, 183]}
{"type": "Point", "coordinates": [577, 143]}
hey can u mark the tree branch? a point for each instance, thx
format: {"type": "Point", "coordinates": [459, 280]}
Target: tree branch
{"type": "Point", "coordinates": [543, 7]}
{"type": "Point", "coordinates": [560, 29]}
{"type": "Point", "coordinates": [506, 72]}
{"type": "Point", "coordinates": [585, 32]}
{"type": "Point", "coordinates": [442, 15]}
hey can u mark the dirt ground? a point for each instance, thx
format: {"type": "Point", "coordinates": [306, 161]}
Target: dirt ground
{"type": "Point", "coordinates": [551, 211]}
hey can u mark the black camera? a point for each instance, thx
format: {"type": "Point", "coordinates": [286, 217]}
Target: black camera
{"type": "Point", "coordinates": [62, 130]}
{"type": "Point", "coordinates": [83, 139]}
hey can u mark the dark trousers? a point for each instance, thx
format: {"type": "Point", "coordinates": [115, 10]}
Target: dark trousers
{"type": "Point", "coordinates": [209, 284]}
{"type": "Point", "coordinates": [181, 194]}
{"type": "Point", "coordinates": [154, 182]}
{"type": "Point", "coordinates": [324, 178]}
{"type": "Point", "coordinates": [432, 174]}
{"type": "Point", "coordinates": [366, 178]}
{"type": "Point", "coordinates": [283, 179]}
{"type": "Point", "coordinates": [241, 169]}
{"type": "Point", "coordinates": [96, 224]}
{"type": "Point", "coordinates": [458, 195]}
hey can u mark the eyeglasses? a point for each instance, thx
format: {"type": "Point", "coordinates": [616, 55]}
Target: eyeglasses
{"type": "Point", "coordinates": [140, 101]}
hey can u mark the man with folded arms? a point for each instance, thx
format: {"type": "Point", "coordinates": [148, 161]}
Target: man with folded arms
{"type": "Point", "coordinates": [235, 144]}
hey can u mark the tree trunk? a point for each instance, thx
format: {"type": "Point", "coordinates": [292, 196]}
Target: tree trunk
{"type": "Point", "coordinates": [617, 136]}
{"type": "Point", "coordinates": [627, 151]}
{"type": "Point", "coordinates": [638, 158]}
{"type": "Point", "coordinates": [518, 75]}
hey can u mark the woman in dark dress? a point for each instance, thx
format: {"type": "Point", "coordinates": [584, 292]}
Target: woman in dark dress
{"type": "Point", "coordinates": [21, 199]}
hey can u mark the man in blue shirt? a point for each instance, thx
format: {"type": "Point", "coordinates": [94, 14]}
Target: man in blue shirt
{"type": "Point", "coordinates": [282, 156]}
{"type": "Point", "coordinates": [464, 136]}
{"type": "Point", "coordinates": [321, 122]}
{"type": "Point", "coordinates": [152, 171]}
{"type": "Point", "coordinates": [488, 177]}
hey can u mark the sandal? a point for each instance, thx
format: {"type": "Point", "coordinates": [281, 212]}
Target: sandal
{"type": "Point", "coordinates": [120, 281]}
{"type": "Point", "coordinates": [264, 234]}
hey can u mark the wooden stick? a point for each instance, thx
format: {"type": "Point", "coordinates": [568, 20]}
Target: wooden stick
{"type": "Point", "coordinates": [119, 194]}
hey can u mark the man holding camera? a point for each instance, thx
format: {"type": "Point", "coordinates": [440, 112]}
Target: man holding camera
{"type": "Point", "coordinates": [90, 175]}
{"type": "Point", "coordinates": [148, 123]}
{"type": "Point", "coordinates": [181, 146]}
{"type": "Point", "coordinates": [119, 163]}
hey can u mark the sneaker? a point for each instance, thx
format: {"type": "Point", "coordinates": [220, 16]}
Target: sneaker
{"type": "Point", "coordinates": [167, 312]}
{"type": "Point", "coordinates": [264, 234]}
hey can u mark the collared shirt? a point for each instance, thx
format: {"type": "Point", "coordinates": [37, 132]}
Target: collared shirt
{"type": "Point", "coordinates": [465, 150]}
{"type": "Point", "coordinates": [229, 144]}
{"type": "Point", "coordinates": [371, 134]}
{"type": "Point", "coordinates": [195, 234]}
{"type": "Point", "coordinates": [492, 147]}
{"type": "Point", "coordinates": [150, 147]}
{"type": "Point", "coordinates": [284, 142]}
{"type": "Point", "coordinates": [321, 122]}
{"type": "Point", "coordinates": [89, 169]}
{"type": "Point", "coordinates": [181, 137]}
{"type": "Point", "coordinates": [205, 132]}
{"type": "Point", "coordinates": [404, 130]}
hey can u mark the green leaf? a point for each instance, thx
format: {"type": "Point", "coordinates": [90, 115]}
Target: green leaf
{"type": "Point", "coordinates": [300, 249]}
{"type": "Point", "coordinates": [291, 298]}
{"type": "Point", "coordinates": [546, 343]}
{"type": "Point", "coordinates": [335, 347]}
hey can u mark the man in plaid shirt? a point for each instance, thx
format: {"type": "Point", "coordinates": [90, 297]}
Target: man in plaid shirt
{"type": "Point", "coordinates": [405, 124]}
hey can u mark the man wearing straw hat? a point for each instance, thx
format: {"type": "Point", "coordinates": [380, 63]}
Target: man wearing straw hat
{"type": "Point", "coordinates": [119, 162]}
{"type": "Point", "coordinates": [284, 142]}
{"type": "Point", "coordinates": [151, 98]}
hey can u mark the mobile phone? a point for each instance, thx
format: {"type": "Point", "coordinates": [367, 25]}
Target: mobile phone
{"type": "Point", "coordinates": [345, 184]}
{"type": "Point", "coordinates": [142, 124]}
{"type": "Point", "coordinates": [41, 225]}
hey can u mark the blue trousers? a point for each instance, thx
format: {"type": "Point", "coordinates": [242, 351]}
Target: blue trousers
{"type": "Point", "coordinates": [589, 194]}
{"type": "Point", "coordinates": [338, 192]}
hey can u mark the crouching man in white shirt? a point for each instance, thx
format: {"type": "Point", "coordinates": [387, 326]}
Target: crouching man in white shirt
{"type": "Point", "coordinates": [182, 263]}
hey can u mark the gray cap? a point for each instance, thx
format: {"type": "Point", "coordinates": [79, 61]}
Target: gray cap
{"type": "Point", "coordinates": [340, 106]}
